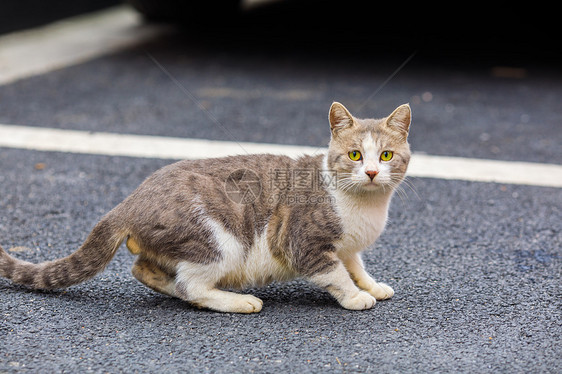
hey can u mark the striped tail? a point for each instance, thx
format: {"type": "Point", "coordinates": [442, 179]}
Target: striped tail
{"type": "Point", "coordinates": [90, 259]}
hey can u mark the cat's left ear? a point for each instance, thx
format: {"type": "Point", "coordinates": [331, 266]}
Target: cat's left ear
{"type": "Point", "coordinates": [400, 119]}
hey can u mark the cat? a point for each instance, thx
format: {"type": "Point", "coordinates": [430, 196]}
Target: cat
{"type": "Point", "coordinates": [201, 228]}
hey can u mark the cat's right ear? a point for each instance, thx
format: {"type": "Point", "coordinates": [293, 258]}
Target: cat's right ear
{"type": "Point", "coordinates": [340, 118]}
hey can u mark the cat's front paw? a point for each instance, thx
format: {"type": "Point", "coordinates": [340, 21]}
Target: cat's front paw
{"type": "Point", "coordinates": [361, 301]}
{"type": "Point", "coordinates": [381, 291]}
{"type": "Point", "coordinates": [246, 304]}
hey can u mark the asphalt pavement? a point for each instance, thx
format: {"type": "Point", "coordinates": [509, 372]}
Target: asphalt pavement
{"type": "Point", "coordinates": [476, 267]}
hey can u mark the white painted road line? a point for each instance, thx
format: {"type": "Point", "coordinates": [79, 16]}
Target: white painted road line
{"type": "Point", "coordinates": [99, 143]}
{"type": "Point", "coordinates": [72, 41]}
{"type": "Point", "coordinates": [479, 170]}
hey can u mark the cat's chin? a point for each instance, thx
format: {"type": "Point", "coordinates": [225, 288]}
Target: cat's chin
{"type": "Point", "coordinates": [371, 187]}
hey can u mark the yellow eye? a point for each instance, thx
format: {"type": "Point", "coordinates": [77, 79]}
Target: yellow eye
{"type": "Point", "coordinates": [355, 155]}
{"type": "Point", "coordinates": [386, 156]}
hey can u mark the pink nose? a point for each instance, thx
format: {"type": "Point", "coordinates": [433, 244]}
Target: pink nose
{"type": "Point", "coordinates": [371, 173]}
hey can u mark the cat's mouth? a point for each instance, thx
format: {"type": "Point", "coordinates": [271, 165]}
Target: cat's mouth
{"type": "Point", "coordinates": [377, 184]}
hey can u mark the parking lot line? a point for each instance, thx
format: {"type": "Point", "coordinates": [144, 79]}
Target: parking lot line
{"type": "Point", "coordinates": [427, 166]}
{"type": "Point", "coordinates": [71, 41]}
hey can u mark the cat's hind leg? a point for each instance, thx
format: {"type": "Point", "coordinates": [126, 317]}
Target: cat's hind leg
{"type": "Point", "coordinates": [198, 277]}
{"type": "Point", "coordinates": [154, 277]}
{"type": "Point", "coordinates": [196, 284]}
{"type": "Point", "coordinates": [149, 273]}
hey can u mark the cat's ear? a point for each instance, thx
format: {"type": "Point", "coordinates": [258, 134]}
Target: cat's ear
{"type": "Point", "coordinates": [340, 117]}
{"type": "Point", "coordinates": [400, 119]}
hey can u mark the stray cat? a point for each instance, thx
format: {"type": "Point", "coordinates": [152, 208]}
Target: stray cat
{"type": "Point", "coordinates": [203, 226]}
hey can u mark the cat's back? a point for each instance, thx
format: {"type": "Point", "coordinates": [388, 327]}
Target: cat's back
{"type": "Point", "coordinates": [271, 171]}
{"type": "Point", "coordinates": [222, 167]}
{"type": "Point", "coordinates": [228, 186]}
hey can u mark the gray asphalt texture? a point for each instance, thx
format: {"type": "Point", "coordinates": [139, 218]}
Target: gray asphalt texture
{"type": "Point", "coordinates": [476, 266]}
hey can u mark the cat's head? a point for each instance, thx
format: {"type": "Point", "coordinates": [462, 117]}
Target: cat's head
{"type": "Point", "coordinates": [368, 154]}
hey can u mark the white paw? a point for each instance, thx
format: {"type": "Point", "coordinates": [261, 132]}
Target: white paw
{"type": "Point", "coordinates": [361, 301]}
{"type": "Point", "coordinates": [246, 304]}
{"type": "Point", "coordinates": [381, 291]}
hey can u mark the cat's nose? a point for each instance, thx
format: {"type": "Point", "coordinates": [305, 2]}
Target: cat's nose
{"type": "Point", "coordinates": [371, 173]}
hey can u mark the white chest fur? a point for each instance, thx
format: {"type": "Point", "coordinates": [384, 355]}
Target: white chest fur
{"type": "Point", "coordinates": [363, 220]}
